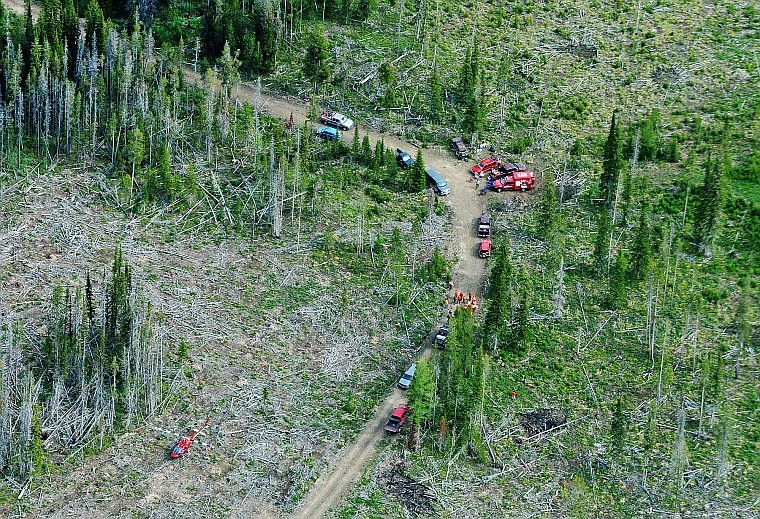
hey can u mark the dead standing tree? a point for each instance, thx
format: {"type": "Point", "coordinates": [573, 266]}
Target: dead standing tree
{"type": "Point", "coordinates": [276, 192]}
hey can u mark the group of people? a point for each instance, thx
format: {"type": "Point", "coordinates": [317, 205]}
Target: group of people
{"type": "Point", "coordinates": [460, 299]}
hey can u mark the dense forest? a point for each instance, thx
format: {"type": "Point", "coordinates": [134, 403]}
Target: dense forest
{"type": "Point", "coordinates": [612, 366]}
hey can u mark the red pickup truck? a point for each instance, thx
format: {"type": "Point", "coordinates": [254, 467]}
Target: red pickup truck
{"type": "Point", "coordinates": [522, 180]}
{"type": "Point", "coordinates": [485, 165]}
{"type": "Point", "coordinates": [397, 418]}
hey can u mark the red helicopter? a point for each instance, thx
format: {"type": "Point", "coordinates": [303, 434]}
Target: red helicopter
{"type": "Point", "coordinates": [185, 442]}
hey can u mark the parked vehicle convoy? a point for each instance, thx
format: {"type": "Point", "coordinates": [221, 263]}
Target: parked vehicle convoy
{"type": "Point", "coordinates": [328, 133]}
{"type": "Point", "coordinates": [485, 165]}
{"type": "Point", "coordinates": [460, 150]}
{"type": "Point", "coordinates": [484, 250]}
{"type": "Point", "coordinates": [440, 337]}
{"type": "Point", "coordinates": [336, 119]}
{"type": "Point", "coordinates": [436, 181]}
{"type": "Point", "coordinates": [522, 180]}
{"type": "Point", "coordinates": [484, 225]}
{"type": "Point", "coordinates": [406, 379]}
{"type": "Point", "coordinates": [403, 159]}
{"type": "Point", "coordinates": [398, 418]}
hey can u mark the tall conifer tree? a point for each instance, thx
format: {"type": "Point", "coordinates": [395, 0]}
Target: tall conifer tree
{"type": "Point", "coordinates": [708, 208]}
{"type": "Point", "coordinates": [611, 163]}
{"type": "Point", "coordinates": [602, 242]}
{"type": "Point", "coordinates": [641, 253]}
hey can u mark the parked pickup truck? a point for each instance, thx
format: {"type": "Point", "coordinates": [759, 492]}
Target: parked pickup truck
{"type": "Point", "coordinates": [336, 119]}
{"type": "Point", "coordinates": [460, 150]}
{"type": "Point", "coordinates": [403, 159]}
{"type": "Point", "coordinates": [440, 337]}
{"type": "Point", "coordinates": [397, 418]}
{"type": "Point", "coordinates": [485, 165]}
{"type": "Point", "coordinates": [484, 250]}
{"type": "Point", "coordinates": [484, 225]}
{"type": "Point", "coordinates": [522, 180]}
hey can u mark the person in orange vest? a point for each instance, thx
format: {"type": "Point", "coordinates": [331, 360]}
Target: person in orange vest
{"type": "Point", "coordinates": [460, 297]}
{"type": "Point", "coordinates": [514, 394]}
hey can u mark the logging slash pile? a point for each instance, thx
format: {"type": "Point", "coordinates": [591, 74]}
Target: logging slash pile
{"type": "Point", "coordinates": [542, 420]}
{"type": "Point", "coordinates": [417, 498]}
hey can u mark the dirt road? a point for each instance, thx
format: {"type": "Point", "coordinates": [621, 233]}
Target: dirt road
{"type": "Point", "coordinates": [467, 274]}
{"type": "Point", "coordinates": [466, 205]}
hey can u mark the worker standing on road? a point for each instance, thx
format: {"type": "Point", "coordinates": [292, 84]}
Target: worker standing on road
{"type": "Point", "coordinates": [477, 182]}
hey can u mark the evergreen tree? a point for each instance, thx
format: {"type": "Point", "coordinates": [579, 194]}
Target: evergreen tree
{"type": "Point", "coordinates": [438, 269]}
{"type": "Point", "coordinates": [49, 26]}
{"type": "Point", "coordinates": [70, 28]}
{"type": "Point", "coordinates": [602, 242]}
{"type": "Point", "coordinates": [29, 39]}
{"type": "Point", "coordinates": [466, 81]}
{"type": "Point", "coordinates": [619, 425]}
{"type": "Point", "coordinates": [421, 393]}
{"type": "Point", "coordinates": [166, 178]}
{"type": "Point", "coordinates": [266, 35]}
{"type": "Point", "coordinates": [611, 164]}
{"type": "Point", "coordinates": [229, 72]}
{"type": "Point", "coordinates": [366, 153]}
{"type": "Point", "coordinates": [364, 9]}
{"type": "Point", "coordinates": [417, 179]}
{"type": "Point", "coordinates": [616, 297]}
{"type": "Point", "coordinates": [378, 158]}
{"type": "Point", "coordinates": [37, 456]}
{"type": "Point", "coordinates": [641, 254]}
{"type": "Point", "coordinates": [455, 366]}
{"type": "Point", "coordinates": [521, 325]}
{"type": "Point", "coordinates": [355, 146]}
{"type": "Point", "coordinates": [472, 101]}
{"type": "Point", "coordinates": [213, 34]}
{"type": "Point", "coordinates": [95, 26]}
{"type": "Point", "coordinates": [496, 329]}
{"type": "Point", "coordinates": [436, 96]}
{"type": "Point", "coordinates": [315, 65]}
{"type": "Point", "coordinates": [708, 208]}
{"type": "Point", "coordinates": [389, 79]}
{"type": "Point", "coordinates": [626, 194]}
{"type": "Point", "coordinates": [3, 42]}
{"type": "Point", "coordinates": [650, 137]}
{"type": "Point", "coordinates": [549, 212]}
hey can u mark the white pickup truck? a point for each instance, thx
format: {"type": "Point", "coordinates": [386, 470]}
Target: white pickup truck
{"type": "Point", "coordinates": [340, 121]}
